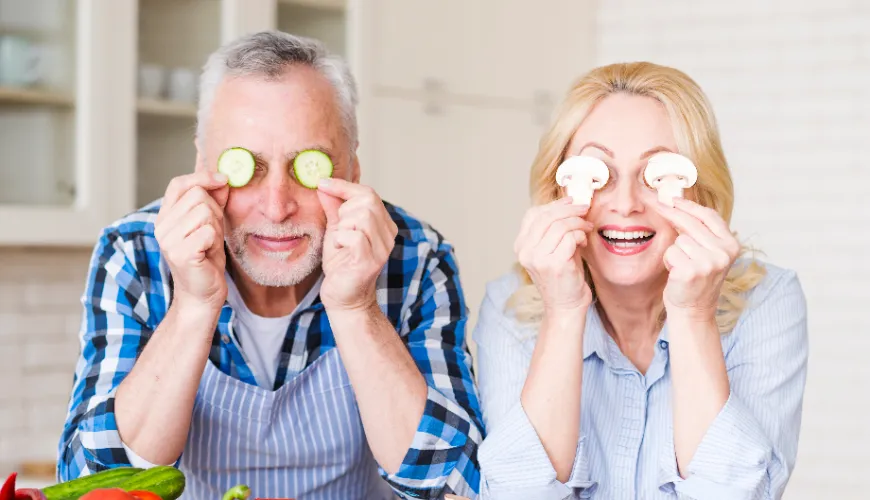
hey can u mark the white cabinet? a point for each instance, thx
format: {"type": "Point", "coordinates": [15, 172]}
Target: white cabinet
{"type": "Point", "coordinates": [464, 170]}
{"type": "Point", "coordinates": [65, 140]}
{"type": "Point", "coordinates": [503, 50]}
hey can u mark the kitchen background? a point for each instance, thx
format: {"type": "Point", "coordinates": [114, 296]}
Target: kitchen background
{"type": "Point", "coordinates": [97, 113]}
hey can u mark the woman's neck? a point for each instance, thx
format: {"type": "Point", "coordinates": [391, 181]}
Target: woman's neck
{"type": "Point", "coordinates": [632, 317]}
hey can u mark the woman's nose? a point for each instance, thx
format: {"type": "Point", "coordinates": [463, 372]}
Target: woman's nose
{"type": "Point", "coordinates": [625, 199]}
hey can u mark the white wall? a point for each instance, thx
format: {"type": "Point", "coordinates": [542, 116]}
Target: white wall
{"type": "Point", "coordinates": [790, 83]}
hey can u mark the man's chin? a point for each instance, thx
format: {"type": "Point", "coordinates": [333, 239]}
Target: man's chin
{"type": "Point", "coordinates": [278, 269]}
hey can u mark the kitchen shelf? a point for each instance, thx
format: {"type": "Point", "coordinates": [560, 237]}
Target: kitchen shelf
{"type": "Point", "coordinates": [158, 107]}
{"type": "Point", "coordinates": [15, 95]}
{"type": "Point", "coordinates": [318, 4]}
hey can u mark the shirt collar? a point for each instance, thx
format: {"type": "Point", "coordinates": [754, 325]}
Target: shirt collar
{"type": "Point", "coordinates": [597, 341]}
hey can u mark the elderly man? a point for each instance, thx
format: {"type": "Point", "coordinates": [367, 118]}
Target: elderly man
{"type": "Point", "coordinates": [308, 342]}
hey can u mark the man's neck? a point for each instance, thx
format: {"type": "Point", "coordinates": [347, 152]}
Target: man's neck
{"type": "Point", "coordinates": [270, 301]}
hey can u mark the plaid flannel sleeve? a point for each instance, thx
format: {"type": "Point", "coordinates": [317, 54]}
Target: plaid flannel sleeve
{"type": "Point", "coordinates": [443, 455]}
{"type": "Point", "coordinates": [113, 328]}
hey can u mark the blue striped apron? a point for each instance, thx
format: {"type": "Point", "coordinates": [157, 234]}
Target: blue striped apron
{"type": "Point", "coordinates": [303, 441]}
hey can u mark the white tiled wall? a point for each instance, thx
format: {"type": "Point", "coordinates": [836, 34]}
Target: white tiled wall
{"type": "Point", "coordinates": [39, 322]}
{"type": "Point", "coordinates": [790, 83]}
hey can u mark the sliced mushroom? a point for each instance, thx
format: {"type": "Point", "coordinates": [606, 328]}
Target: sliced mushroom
{"type": "Point", "coordinates": [582, 175]}
{"type": "Point", "coordinates": [670, 174]}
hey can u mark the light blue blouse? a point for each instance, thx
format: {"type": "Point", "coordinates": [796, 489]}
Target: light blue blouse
{"type": "Point", "coordinates": [626, 446]}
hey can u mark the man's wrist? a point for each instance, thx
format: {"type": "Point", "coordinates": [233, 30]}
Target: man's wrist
{"type": "Point", "coordinates": [193, 313]}
{"type": "Point", "coordinates": [353, 314]}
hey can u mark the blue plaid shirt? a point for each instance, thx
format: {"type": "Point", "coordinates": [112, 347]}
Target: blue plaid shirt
{"type": "Point", "coordinates": [128, 294]}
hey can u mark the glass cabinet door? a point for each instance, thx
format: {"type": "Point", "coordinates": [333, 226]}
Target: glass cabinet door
{"type": "Point", "coordinates": [175, 38]}
{"type": "Point", "coordinates": [37, 102]}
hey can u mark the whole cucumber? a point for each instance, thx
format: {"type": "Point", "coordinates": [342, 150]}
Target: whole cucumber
{"type": "Point", "coordinates": [75, 488]}
{"type": "Point", "coordinates": [166, 481]}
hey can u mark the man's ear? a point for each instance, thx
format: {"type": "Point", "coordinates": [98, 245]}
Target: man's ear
{"type": "Point", "coordinates": [355, 173]}
{"type": "Point", "coordinates": [200, 157]}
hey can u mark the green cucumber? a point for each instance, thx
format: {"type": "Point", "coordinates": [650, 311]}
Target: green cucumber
{"type": "Point", "coordinates": [75, 488]}
{"type": "Point", "coordinates": [166, 481]}
{"type": "Point", "coordinates": [310, 166]}
{"type": "Point", "coordinates": [237, 492]}
{"type": "Point", "coordinates": [238, 165]}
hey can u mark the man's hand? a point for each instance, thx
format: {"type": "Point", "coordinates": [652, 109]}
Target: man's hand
{"type": "Point", "coordinates": [190, 231]}
{"type": "Point", "coordinates": [360, 236]}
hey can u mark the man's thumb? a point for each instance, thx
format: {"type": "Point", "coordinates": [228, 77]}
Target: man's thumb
{"type": "Point", "coordinates": [330, 205]}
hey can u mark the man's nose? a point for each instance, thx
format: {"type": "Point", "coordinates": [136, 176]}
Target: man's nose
{"type": "Point", "coordinates": [280, 201]}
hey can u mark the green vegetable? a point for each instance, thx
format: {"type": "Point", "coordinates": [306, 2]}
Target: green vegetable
{"type": "Point", "coordinates": [238, 165]}
{"type": "Point", "coordinates": [237, 492]}
{"type": "Point", "coordinates": [311, 166]}
{"type": "Point", "coordinates": [166, 481]}
{"type": "Point", "coordinates": [75, 488]}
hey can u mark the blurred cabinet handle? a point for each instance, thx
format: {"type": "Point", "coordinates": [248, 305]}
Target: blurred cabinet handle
{"type": "Point", "coordinates": [433, 90]}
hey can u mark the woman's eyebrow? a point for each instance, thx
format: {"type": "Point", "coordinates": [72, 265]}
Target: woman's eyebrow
{"type": "Point", "coordinates": [657, 149]}
{"type": "Point", "coordinates": [597, 146]}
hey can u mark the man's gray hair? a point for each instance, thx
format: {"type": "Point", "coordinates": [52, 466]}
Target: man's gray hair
{"type": "Point", "coordinates": [269, 54]}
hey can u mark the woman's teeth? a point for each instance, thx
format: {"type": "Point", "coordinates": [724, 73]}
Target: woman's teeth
{"type": "Point", "coordinates": [626, 235]}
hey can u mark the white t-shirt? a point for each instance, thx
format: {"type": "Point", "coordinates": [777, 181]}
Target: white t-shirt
{"type": "Point", "coordinates": [258, 338]}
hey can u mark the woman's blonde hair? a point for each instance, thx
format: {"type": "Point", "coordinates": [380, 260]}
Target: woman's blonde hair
{"type": "Point", "coordinates": [697, 137]}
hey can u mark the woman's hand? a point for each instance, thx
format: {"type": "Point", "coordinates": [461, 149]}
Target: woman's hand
{"type": "Point", "coordinates": [547, 248]}
{"type": "Point", "coordinates": [698, 261]}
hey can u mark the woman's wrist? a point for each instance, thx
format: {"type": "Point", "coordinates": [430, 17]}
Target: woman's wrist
{"type": "Point", "coordinates": [571, 321]}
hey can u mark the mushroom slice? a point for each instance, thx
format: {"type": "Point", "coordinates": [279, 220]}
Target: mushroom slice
{"type": "Point", "coordinates": [670, 174]}
{"type": "Point", "coordinates": [582, 175]}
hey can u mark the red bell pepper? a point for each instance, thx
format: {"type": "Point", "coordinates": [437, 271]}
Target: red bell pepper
{"type": "Point", "coordinates": [29, 494]}
{"type": "Point", "coordinates": [7, 492]}
{"type": "Point", "coordinates": [145, 495]}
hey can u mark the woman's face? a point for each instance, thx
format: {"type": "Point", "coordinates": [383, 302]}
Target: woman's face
{"type": "Point", "coordinates": [630, 238]}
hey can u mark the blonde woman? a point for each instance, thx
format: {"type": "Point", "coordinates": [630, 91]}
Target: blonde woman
{"type": "Point", "coordinates": [637, 352]}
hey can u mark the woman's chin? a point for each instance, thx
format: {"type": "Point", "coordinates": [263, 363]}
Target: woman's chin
{"type": "Point", "coordinates": [628, 272]}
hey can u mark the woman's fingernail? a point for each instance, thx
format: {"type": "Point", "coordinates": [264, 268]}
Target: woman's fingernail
{"type": "Point", "coordinates": [219, 177]}
{"type": "Point", "coordinates": [324, 182]}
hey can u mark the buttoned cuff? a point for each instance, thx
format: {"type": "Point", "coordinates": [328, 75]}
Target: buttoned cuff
{"type": "Point", "coordinates": [731, 461]}
{"type": "Point", "coordinates": [515, 465]}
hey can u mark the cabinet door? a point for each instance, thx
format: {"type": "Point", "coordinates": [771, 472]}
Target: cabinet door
{"type": "Point", "coordinates": [503, 49]}
{"type": "Point", "coordinates": [65, 139]}
{"type": "Point", "coordinates": [465, 171]}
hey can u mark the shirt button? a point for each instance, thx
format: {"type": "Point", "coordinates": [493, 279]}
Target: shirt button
{"type": "Point", "coordinates": [663, 344]}
{"type": "Point", "coordinates": [225, 339]}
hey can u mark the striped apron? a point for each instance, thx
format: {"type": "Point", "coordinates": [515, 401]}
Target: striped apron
{"type": "Point", "coordinates": [304, 440]}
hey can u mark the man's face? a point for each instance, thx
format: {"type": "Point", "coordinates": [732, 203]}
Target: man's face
{"type": "Point", "coordinates": [274, 226]}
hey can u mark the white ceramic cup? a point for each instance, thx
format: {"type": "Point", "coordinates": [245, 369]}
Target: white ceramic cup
{"type": "Point", "coordinates": [152, 81]}
{"type": "Point", "coordinates": [183, 85]}
{"type": "Point", "coordinates": [20, 64]}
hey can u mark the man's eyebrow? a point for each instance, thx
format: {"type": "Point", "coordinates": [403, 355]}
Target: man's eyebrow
{"type": "Point", "coordinates": [323, 149]}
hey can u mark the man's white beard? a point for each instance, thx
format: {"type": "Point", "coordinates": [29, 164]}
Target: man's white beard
{"type": "Point", "coordinates": [278, 274]}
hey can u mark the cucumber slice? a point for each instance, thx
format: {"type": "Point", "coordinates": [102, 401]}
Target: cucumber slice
{"type": "Point", "coordinates": [238, 165]}
{"type": "Point", "coordinates": [311, 166]}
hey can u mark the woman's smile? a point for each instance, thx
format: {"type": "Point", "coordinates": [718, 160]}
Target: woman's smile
{"type": "Point", "coordinates": [625, 241]}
